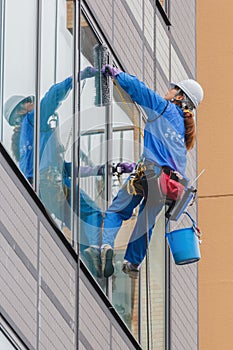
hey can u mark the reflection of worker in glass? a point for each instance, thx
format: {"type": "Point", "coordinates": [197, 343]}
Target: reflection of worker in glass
{"type": "Point", "coordinates": [169, 133]}
{"type": "Point", "coordinates": [19, 112]}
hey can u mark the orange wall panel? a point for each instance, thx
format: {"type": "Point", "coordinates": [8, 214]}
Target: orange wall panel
{"type": "Point", "coordinates": [215, 187]}
{"type": "Point", "coordinates": [216, 274]}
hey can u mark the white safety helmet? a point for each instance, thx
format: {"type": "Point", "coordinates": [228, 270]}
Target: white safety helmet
{"type": "Point", "coordinates": [192, 90]}
{"type": "Point", "coordinates": [11, 105]}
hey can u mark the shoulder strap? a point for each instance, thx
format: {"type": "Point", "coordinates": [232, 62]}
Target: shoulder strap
{"type": "Point", "coordinates": [154, 119]}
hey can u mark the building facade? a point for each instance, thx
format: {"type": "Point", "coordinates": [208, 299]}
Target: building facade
{"type": "Point", "coordinates": [214, 68]}
{"type": "Point", "coordinates": [50, 295]}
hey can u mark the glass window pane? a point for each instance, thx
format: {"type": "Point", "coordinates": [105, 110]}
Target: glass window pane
{"type": "Point", "coordinates": [126, 140]}
{"type": "Point", "coordinates": [19, 57]}
{"type": "Point", "coordinates": [126, 126]}
{"type": "Point", "coordinates": [56, 113]}
{"type": "Point", "coordinates": [93, 152]}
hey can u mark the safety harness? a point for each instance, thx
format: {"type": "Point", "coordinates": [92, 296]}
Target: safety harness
{"type": "Point", "coordinates": [171, 183]}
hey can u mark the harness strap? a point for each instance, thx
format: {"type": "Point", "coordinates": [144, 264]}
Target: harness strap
{"type": "Point", "coordinates": [158, 116]}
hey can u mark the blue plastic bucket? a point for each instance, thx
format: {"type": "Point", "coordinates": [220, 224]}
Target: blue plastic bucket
{"type": "Point", "coordinates": [184, 244]}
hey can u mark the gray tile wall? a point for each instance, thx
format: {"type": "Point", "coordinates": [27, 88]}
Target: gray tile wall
{"type": "Point", "coordinates": [128, 46]}
{"type": "Point", "coordinates": [183, 30]}
{"type": "Point", "coordinates": [184, 308]}
{"type": "Point", "coordinates": [184, 293]}
{"type": "Point", "coordinates": [98, 328]}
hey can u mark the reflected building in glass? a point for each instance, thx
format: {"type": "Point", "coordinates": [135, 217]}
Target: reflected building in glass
{"type": "Point", "coordinates": [59, 154]}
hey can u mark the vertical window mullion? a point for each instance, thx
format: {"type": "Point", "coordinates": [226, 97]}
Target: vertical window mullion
{"type": "Point", "coordinates": [108, 152]}
{"type": "Point", "coordinates": [75, 190]}
{"type": "Point", "coordinates": [36, 156]}
{"type": "Point", "coordinates": [75, 158]}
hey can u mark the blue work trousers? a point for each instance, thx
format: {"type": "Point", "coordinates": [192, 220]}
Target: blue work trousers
{"type": "Point", "coordinates": [122, 209]}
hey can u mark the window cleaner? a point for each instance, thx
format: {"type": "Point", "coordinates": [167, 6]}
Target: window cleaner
{"type": "Point", "coordinates": [169, 133]}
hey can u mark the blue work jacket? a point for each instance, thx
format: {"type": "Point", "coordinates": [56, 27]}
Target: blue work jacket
{"type": "Point", "coordinates": [49, 152]}
{"type": "Point", "coordinates": [164, 136]}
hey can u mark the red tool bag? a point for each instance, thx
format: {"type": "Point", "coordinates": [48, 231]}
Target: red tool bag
{"type": "Point", "coordinates": [171, 184]}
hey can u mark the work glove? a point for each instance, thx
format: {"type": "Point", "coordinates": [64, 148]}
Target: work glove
{"type": "Point", "coordinates": [125, 167]}
{"type": "Point", "coordinates": [88, 72]}
{"type": "Point", "coordinates": [110, 71]}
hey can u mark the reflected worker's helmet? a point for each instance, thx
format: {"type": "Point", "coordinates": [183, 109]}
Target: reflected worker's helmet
{"type": "Point", "coordinates": [12, 105]}
{"type": "Point", "coordinates": [191, 89]}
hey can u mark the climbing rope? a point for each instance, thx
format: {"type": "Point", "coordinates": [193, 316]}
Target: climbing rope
{"type": "Point", "coordinates": [130, 113]}
{"type": "Point", "coordinates": [148, 290]}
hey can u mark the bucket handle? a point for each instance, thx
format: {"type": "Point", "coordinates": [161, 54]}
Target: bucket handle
{"type": "Point", "coordinates": [197, 230]}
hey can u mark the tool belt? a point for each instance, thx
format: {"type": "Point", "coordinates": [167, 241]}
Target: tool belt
{"type": "Point", "coordinates": [144, 173]}
{"type": "Point", "coordinates": [171, 183]}
{"type": "Point", "coordinates": [136, 183]}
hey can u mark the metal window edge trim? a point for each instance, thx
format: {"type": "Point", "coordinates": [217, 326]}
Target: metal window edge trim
{"type": "Point", "coordinates": [163, 13]}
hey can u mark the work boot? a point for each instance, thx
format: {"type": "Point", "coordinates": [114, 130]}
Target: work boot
{"type": "Point", "coordinates": [93, 259]}
{"type": "Point", "coordinates": [130, 269]}
{"type": "Point", "coordinates": [107, 254]}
